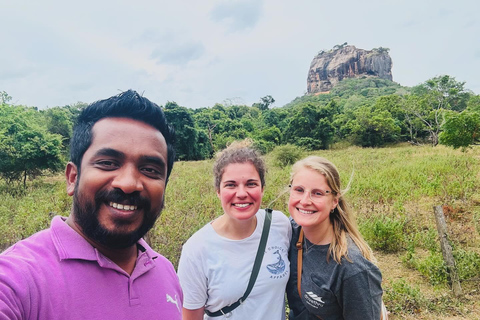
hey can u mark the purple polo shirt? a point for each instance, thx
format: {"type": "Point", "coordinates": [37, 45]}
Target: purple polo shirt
{"type": "Point", "coordinates": [57, 274]}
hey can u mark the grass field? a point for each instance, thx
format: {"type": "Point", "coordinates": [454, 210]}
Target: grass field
{"type": "Point", "coordinates": [393, 193]}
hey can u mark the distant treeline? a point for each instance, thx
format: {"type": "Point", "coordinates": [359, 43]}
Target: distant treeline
{"type": "Point", "coordinates": [368, 112]}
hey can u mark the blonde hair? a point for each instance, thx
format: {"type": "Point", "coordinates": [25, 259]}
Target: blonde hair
{"type": "Point", "coordinates": [342, 218]}
{"type": "Point", "coordinates": [238, 152]}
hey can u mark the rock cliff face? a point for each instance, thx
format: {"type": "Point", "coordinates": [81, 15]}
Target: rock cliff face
{"type": "Point", "coordinates": [346, 61]}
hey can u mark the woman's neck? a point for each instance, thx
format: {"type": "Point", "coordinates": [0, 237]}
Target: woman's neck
{"type": "Point", "coordinates": [234, 229]}
{"type": "Point", "coordinates": [321, 234]}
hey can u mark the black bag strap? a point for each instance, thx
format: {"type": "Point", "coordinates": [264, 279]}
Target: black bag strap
{"type": "Point", "coordinates": [255, 270]}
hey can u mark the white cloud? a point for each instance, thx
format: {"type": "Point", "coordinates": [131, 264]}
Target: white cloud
{"type": "Point", "coordinates": [238, 15]}
{"type": "Point", "coordinates": [199, 53]}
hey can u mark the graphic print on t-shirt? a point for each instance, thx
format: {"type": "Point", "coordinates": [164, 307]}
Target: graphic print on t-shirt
{"type": "Point", "coordinates": [276, 256]}
{"type": "Point", "coordinates": [314, 300]}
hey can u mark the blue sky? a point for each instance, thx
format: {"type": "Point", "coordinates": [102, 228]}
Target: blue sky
{"type": "Point", "coordinates": [198, 53]}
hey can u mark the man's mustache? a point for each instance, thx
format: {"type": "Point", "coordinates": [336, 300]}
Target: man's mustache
{"type": "Point", "coordinates": [118, 196]}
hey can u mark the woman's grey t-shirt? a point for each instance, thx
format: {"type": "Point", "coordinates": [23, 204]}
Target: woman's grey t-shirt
{"type": "Point", "coordinates": [350, 290]}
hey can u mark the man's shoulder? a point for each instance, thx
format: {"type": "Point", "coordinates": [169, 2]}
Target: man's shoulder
{"type": "Point", "coordinates": [34, 246]}
{"type": "Point", "coordinates": [27, 262]}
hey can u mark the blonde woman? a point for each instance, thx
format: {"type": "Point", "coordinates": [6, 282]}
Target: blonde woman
{"type": "Point", "coordinates": [336, 267]}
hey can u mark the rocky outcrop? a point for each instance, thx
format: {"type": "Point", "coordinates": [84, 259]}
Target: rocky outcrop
{"type": "Point", "coordinates": [346, 61]}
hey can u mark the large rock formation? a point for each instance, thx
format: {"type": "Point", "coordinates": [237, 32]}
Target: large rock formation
{"type": "Point", "coordinates": [344, 61]}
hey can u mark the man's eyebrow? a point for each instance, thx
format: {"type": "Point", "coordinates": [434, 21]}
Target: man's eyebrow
{"type": "Point", "coordinates": [109, 152]}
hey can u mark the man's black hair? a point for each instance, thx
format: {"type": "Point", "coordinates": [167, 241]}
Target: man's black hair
{"type": "Point", "coordinates": [128, 104]}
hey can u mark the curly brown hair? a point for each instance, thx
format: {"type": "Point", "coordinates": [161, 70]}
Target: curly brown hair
{"type": "Point", "coordinates": [238, 152]}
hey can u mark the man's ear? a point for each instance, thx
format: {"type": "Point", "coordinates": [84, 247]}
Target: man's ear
{"type": "Point", "coordinates": [71, 174]}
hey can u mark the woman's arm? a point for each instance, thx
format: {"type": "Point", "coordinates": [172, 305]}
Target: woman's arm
{"type": "Point", "coordinates": [362, 296]}
{"type": "Point", "coordinates": [196, 314]}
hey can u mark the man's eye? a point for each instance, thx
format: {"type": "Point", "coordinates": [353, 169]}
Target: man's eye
{"type": "Point", "coordinates": [152, 173]}
{"type": "Point", "coordinates": [229, 185]}
{"type": "Point", "coordinates": [106, 164]}
{"type": "Point", "coordinates": [150, 170]}
{"type": "Point", "coordinates": [252, 184]}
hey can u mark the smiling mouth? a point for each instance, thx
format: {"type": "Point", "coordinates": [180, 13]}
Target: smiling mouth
{"type": "Point", "coordinates": [124, 207]}
{"type": "Point", "coordinates": [305, 211]}
{"type": "Point", "coordinates": [241, 205]}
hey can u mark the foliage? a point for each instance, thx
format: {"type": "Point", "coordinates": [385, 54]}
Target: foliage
{"type": "Point", "coordinates": [384, 233]}
{"type": "Point", "coordinates": [467, 263]}
{"type": "Point", "coordinates": [339, 46]}
{"type": "Point", "coordinates": [433, 266]}
{"type": "Point", "coordinates": [191, 143]}
{"type": "Point", "coordinates": [313, 124]}
{"type": "Point", "coordinates": [26, 148]}
{"type": "Point", "coordinates": [461, 130]}
{"type": "Point", "coordinates": [372, 128]}
{"type": "Point", "coordinates": [432, 98]}
{"type": "Point", "coordinates": [4, 97]}
{"type": "Point", "coordinates": [60, 121]}
{"type": "Point", "coordinates": [264, 103]}
{"type": "Point", "coordinates": [403, 297]}
{"type": "Point", "coordinates": [366, 87]}
{"type": "Point", "coordinates": [381, 50]}
{"type": "Point", "coordinates": [286, 155]}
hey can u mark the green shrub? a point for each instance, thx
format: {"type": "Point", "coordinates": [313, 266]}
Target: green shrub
{"type": "Point", "coordinates": [432, 267]}
{"type": "Point", "coordinates": [286, 155]}
{"type": "Point", "coordinates": [384, 233]}
{"type": "Point", "coordinates": [426, 239]}
{"type": "Point", "coordinates": [468, 264]}
{"type": "Point", "coordinates": [263, 146]}
{"type": "Point", "coordinates": [401, 297]}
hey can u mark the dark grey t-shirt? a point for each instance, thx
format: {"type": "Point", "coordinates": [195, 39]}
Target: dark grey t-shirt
{"type": "Point", "coordinates": [350, 290]}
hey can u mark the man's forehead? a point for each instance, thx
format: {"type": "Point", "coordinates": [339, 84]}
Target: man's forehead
{"type": "Point", "coordinates": [126, 131]}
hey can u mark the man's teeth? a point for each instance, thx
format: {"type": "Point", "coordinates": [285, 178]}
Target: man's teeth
{"type": "Point", "coordinates": [242, 205]}
{"type": "Point", "coordinates": [305, 211]}
{"type": "Point", "coordinates": [125, 207]}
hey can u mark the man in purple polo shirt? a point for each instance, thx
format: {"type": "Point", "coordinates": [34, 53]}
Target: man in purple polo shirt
{"type": "Point", "coordinates": [95, 264]}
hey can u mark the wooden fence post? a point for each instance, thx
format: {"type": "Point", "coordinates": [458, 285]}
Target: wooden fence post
{"type": "Point", "coordinates": [447, 250]}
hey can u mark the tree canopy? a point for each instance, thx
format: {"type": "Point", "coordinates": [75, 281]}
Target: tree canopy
{"type": "Point", "coordinates": [26, 147]}
{"type": "Point", "coordinates": [368, 112]}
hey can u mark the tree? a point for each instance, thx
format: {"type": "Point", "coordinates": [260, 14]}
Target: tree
{"type": "Point", "coordinates": [461, 130]}
{"type": "Point", "coordinates": [4, 97]}
{"type": "Point", "coordinates": [264, 103]}
{"type": "Point", "coordinates": [26, 147]}
{"type": "Point", "coordinates": [432, 98]}
{"type": "Point", "coordinates": [60, 121]}
{"type": "Point", "coordinates": [190, 145]}
{"type": "Point", "coordinates": [372, 128]}
{"type": "Point", "coordinates": [311, 126]}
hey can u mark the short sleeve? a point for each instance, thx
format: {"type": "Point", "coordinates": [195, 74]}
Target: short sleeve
{"type": "Point", "coordinates": [361, 295]}
{"type": "Point", "coordinates": [192, 277]}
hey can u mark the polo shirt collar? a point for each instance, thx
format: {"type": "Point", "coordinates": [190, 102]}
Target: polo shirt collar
{"type": "Point", "coordinates": [71, 245]}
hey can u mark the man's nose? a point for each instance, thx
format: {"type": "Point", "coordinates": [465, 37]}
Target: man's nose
{"type": "Point", "coordinates": [128, 179]}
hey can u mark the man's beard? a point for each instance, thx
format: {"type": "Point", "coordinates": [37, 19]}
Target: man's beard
{"type": "Point", "coordinates": [86, 216]}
